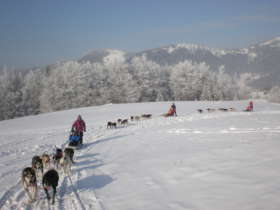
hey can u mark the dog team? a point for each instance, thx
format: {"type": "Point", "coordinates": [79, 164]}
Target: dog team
{"type": "Point", "coordinates": [46, 167]}
{"type": "Point", "coordinates": [124, 122]}
{"type": "Point", "coordinates": [249, 108]}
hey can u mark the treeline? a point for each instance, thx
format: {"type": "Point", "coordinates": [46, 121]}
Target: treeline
{"type": "Point", "coordinates": [73, 84]}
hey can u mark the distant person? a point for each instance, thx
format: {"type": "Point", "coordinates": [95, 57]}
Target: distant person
{"type": "Point", "coordinates": [173, 106]}
{"type": "Point", "coordinates": [171, 111]}
{"type": "Point", "coordinates": [250, 107]}
{"type": "Point", "coordinates": [79, 127]}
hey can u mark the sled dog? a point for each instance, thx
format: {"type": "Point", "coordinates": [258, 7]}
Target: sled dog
{"type": "Point", "coordinates": [57, 156]}
{"type": "Point", "coordinates": [46, 160]}
{"type": "Point", "coordinates": [29, 182]}
{"type": "Point", "coordinates": [66, 163]}
{"type": "Point", "coordinates": [111, 125]}
{"type": "Point", "coordinates": [70, 152]}
{"type": "Point", "coordinates": [124, 122]}
{"type": "Point", "coordinates": [50, 180]}
{"type": "Point", "coordinates": [37, 164]}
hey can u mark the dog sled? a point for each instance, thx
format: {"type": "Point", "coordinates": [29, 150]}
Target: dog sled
{"type": "Point", "coordinates": [74, 140]}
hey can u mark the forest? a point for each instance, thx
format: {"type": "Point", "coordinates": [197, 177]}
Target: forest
{"type": "Point", "coordinates": [73, 84]}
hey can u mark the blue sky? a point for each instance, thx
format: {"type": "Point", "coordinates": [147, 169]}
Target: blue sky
{"type": "Point", "coordinates": [40, 32]}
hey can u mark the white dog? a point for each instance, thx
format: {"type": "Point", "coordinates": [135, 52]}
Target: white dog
{"type": "Point", "coordinates": [66, 163]}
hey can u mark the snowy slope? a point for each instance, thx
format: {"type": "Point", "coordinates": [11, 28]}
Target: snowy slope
{"type": "Point", "coordinates": [194, 161]}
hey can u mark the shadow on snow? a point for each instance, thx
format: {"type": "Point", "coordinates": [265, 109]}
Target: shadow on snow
{"type": "Point", "coordinates": [94, 182]}
{"type": "Point", "coordinates": [103, 140]}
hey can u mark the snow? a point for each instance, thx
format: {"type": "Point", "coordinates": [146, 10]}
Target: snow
{"type": "Point", "coordinates": [216, 52]}
{"type": "Point", "coordinates": [272, 43]}
{"type": "Point", "coordinates": [252, 56]}
{"type": "Point", "coordinates": [114, 57]}
{"type": "Point", "coordinates": [219, 160]}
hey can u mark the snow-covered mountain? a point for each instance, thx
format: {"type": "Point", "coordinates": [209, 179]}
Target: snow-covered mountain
{"type": "Point", "coordinates": [213, 161]}
{"type": "Point", "coordinates": [261, 59]}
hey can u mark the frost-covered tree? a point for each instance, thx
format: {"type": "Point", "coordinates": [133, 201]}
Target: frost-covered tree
{"type": "Point", "coordinates": [150, 78]}
{"type": "Point", "coordinates": [122, 87]}
{"type": "Point", "coordinates": [66, 86]}
{"type": "Point", "coordinates": [274, 94]}
{"type": "Point", "coordinates": [11, 83]}
{"type": "Point", "coordinates": [74, 84]}
{"type": "Point", "coordinates": [195, 81]}
{"type": "Point", "coordinates": [209, 87]}
{"type": "Point", "coordinates": [188, 79]}
{"type": "Point", "coordinates": [242, 82]}
{"type": "Point", "coordinates": [31, 91]}
{"type": "Point", "coordinates": [225, 88]}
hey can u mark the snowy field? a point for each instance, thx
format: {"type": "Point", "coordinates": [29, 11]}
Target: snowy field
{"type": "Point", "coordinates": [211, 161]}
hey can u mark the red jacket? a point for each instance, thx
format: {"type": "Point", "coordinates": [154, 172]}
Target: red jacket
{"type": "Point", "coordinates": [79, 125]}
{"type": "Point", "coordinates": [251, 105]}
{"type": "Point", "coordinates": [171, 111]}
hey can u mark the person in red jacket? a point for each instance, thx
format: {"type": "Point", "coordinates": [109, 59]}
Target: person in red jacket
{"type": "Point", "coordinates": [250, 107]}
{"type": "Point", "coordinates": [174, 109]}
{"type": "Point", "coordinates": [79, 127]}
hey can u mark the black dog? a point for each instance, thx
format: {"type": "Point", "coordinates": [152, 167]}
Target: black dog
{"type": "Point", "coordinates": [37, 163]}
{"type": "Point", "coordinates": [124, 122]}
{"type": "Point", "coordinates": [69, 152]}
{"type": "Point", "coordinates": [111, 125]}
{"type": "Point", "coordinates": [147, 116]}
{"type": "Point", "coordinates": [223, 109]}
{"type": "Point", "coordinates": [29, 182]}
{"type": "Point", "coordinates": [50, 179]}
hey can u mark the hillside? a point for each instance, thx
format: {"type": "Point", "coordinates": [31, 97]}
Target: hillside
{"type": "Point", "coordinates": [220, 160]}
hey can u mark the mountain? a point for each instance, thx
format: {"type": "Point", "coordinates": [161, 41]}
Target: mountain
{"type": "Point", "coordinates": [260, 59]}
{"type": "Point", "coordinates": [217, 160]}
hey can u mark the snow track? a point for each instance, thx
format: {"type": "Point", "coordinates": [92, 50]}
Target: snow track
{"type": "Point", "coordinates": [68, 196]}
{"type": "Point", "coordinates": [11, 196]}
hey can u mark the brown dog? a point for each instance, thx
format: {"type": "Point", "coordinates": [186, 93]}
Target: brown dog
{"type": "Point", "coordinates": [29, 182]}
{"type": "Point", "coordinates": [46, 160]}
{"type": "Point", "coordinates": [124, 122]}
{"type": "Point", "coordinates": [37, 164]}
